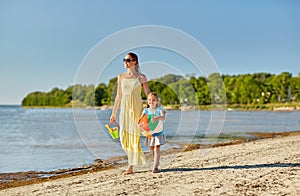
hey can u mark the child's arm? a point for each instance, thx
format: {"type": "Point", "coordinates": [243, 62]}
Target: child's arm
{"type": "Point", "coordinates": [163, 114]}
{"type": "Point", "coordinates": [161, 117]}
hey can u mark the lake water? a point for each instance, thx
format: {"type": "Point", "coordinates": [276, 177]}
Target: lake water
{"type": "Point", "coordinates": [50, 139]}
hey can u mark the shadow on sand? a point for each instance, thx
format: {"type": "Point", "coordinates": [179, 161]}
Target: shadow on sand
{"type": "Point", "coordinates": [256, 166]}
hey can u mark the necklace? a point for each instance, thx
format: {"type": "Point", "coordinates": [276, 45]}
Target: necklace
{"type": "Point", "coordinates": [132, 74]}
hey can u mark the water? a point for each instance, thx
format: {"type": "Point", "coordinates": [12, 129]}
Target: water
{"type": "Point", "coordinates": [49, 139]}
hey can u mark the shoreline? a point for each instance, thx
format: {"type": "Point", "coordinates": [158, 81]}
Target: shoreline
{"type": "Point", "coordinates": [17, 179]}
{"type": "Point", "coordinates": [272, 107]}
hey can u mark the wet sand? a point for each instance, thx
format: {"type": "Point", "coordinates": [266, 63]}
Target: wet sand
{"type": "Point", "coordinates": [257, 166]}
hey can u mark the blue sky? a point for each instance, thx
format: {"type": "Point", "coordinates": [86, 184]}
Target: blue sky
{"type": "Point", "coordinates": [43, 42]}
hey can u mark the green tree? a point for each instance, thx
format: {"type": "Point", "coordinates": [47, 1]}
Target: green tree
{"type": "Point", "coordinates": [216, 88]}
{"type": "Point", "coordinates": [168, 96]}
{"type": "Point", "coordinates": [111, 91]}
{"type": "Point", "coordinates": [281, 84]}
{"type": "Point", "coordinates": [295, 89]}
{"type": "Point", "coordinates": [89, 98]}
{"type": "Point", "coordinates": [101, 96]}
{"type": "Point", "coordinates": [201, 89]}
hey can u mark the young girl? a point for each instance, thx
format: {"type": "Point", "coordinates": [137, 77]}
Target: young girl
{"type": "Point", "coordinates": [158, 139]}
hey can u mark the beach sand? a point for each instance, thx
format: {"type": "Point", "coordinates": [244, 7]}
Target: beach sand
{"type": "Point", "coordinates": [261, 167]}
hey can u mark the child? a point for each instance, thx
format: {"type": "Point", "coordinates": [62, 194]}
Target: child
{"type": "Point", "coordinates": [158, 139]}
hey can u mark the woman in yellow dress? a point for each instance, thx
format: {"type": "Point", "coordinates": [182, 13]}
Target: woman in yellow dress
{"type": "Point", "coordinates": [129, 99]}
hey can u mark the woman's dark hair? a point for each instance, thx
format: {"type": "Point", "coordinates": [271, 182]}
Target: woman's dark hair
{"type": "Point", "coordinates": [135, 58]}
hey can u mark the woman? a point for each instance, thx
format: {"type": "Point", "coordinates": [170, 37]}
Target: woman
{"type": "Point", "coordinates": [130, 85]}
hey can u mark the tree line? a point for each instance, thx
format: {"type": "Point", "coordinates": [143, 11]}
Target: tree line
{"type": "Point", "coordinates": [257, 88]}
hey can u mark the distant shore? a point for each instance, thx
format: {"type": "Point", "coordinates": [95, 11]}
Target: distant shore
{"type": "Point", "coordinates": [263, 154]}
{"type": "Point", "coordinates": [285, 107]}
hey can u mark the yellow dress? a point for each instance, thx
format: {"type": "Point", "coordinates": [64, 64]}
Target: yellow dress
{"type": "Point", "coordinates": [130, 111]}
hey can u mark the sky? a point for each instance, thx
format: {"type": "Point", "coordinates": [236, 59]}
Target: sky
{"type": "Point", "coordinates": [43, 43]}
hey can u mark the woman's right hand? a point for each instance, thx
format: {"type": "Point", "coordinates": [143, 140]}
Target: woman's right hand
{"type": "Point", "coordinates": [112, 118]}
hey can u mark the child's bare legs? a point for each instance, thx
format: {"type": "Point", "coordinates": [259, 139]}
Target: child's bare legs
{"type": "Point", "coordinates": [156, 158]}
{"type": "Point", "coordinates": [152, 151]}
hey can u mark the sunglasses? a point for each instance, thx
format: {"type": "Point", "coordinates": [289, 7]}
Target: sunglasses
{"type": "Point", "coordinates": [127, 60]}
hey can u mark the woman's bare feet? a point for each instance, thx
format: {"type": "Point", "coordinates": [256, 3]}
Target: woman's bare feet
{"type": "Point", "coordinates": [129, 170]}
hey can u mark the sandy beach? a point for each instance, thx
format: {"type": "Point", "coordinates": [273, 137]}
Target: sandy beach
{"type": "Point", "coordinates": [260, 167]}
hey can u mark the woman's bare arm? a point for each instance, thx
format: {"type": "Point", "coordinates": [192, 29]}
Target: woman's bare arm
{"type": "Point", "coordinates": [117, 99]}
{"type": "Point", "coordinates": [144, 82]}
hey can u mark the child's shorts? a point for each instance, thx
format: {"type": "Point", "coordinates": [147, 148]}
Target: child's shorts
{"type": "Point", "coordinates": [158, 140]}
